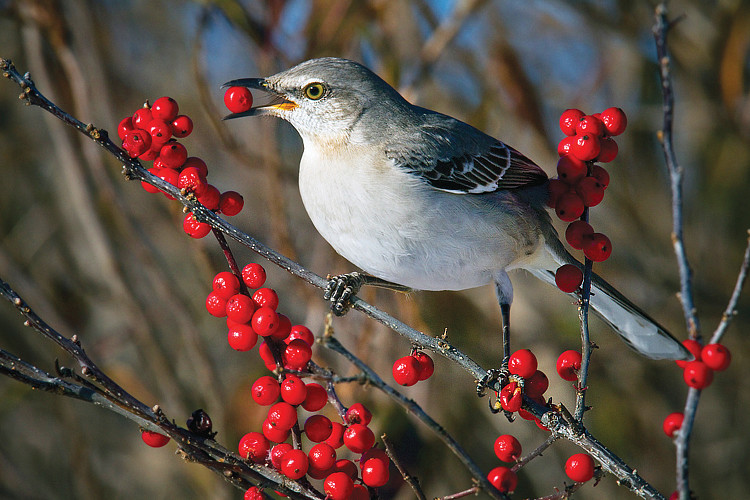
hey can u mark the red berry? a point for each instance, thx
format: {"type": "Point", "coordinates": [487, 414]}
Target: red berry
{"type": "Point", "coordinates": [511, 397]}
{"type": "Point", "coordinates": [136, 142]}
{"type": "Point", "coordinates": [193, 228]}
{"type": "Point", "coordinates": [267, 355]}
{"type": "Point", "coordinates": [240, 308]}
{"type": "Point", "coordinates": [238, 99]}
{"type": "Point", "coordinates": [273, 433]}
{"type": "Point", "coordinates": [294, 464]}
{"type": "Point", "coordinates": [170, 176]}
{"type": "Point", "coordinates": [191, 179]}
{"type": "Point", "coordinates": [597, 247]}
{"type": "Point", "coordinates": [282, 415]}
{"type": "Point", "coordinates": [322, 456]}
{"type": "Point", "coordinates": [254, 446]}
{"type": "Point", "coordinates": [165, 108]}
{"type": "Point", "coordinates": [336, 439]}
{"type": "Point", "coordinates": [406, 371]}
{"type": "Point", "coordinates": [297, 354]}
{"type": "Point", "coordinates": [182, 126]}
{"type": "Point", "coordinates": [575, 233]}
{"type": "Point", "coordinates": [194, 161]}
{"type": "Point", "coordinates": [536, 385]}
{"type": "Point", "coordinates": [580, 467]}
{"type": "Point", "coordinates": [600, 173]}
{"type": "Point", "coordinates": [569, 206]}
{"type": "Point", "coordinates": [265, 391]}
{"type": "Point", "coordinates": [347, 467]}
{"type": "Point", "coordinates": [585, 147]}
{"type": "Point", "coordinates": [375, 473]}
{"type": "Point", "coordinates": [673, 423]}
{"type": "Point", "coordinates": [173, 154]}
{"type": "Point", "coordinates": [716, 356]}
{"type": "Point", "coordinates": [253, 275]}
{"type": "Point", "coordinates": [360, 492]}
{"type": "Point", "coordinates": [266, 297]}
{"type": "Point", "coordinates": [374, 453]}
{"type": "Point", "coordinates": [502, 478]}
{"type": "Point", "coordinates": [283, 328]}
{"type": "Point", "coordinates": [568, 278]}
{"type": "Point", "coordinates": [277, 453]}
{"type": "Point", "coordinates": [507, 448]}
{"type": "Point", "coordinates": [141, 117]}
{"type": "Point", "coordinates": [527, 415]}
{"type": "Point", "coordinates": [359, 438]}
{"type": "Point", "coordinates": [358, 414]}
{"type": "Point", "coordinates": [154, 439]}
{"type": "Point", "coordinates": [264, 320]}
{"type": "Point", "coordinates": [293, 390]}
{"type": "Point", "coordinates": [590, 125]}
{"type": "Point", "coordinates": [556, 189]}
{"type": "Point", "coordinates": [566, 145]}
{"type": "Point", "coordinates": [216, 305]}
{"type": "Point", "coordinates": [614, 120]}
{"type": "Point", "coordinates": [695, 349]}
{"type": "Point", "coordinates": [318, 428]}
{"type": "Point", "coordinates": [160, 132]}
{"type": "Point", "coordinates": [608, 151]}
{"type": "Point", "coordinates": [522, 363]}
{"type": "Point", "coordinates": [338, 486]}
{"type": "Point", "coordinates": [241, 337]}
{"type": "Point", "coordinates": [569, 120]}
{"type": "Point", "coordinates": [426, 365]}
{"type": "Point", "coordinates": [570, 169]}
{"type": "Point", "coordinates": [125, 126]}
{"type": "Point", "coordinates": [568, 364]}
{"type": "Point", "coordinates": [231, 203]}
{"type": "Point", "coordinates": [697, 375]}
{"type": "Point", "coordinates": [301, 332]}
{"type": "Point", "coordinates": [316, 398]}
{"type": "Point", "coordinates": [253, 493]}
{"type": "Point", "coordinates": [590, 190]}
{"type": "Point", "coordinates": [226, 284]}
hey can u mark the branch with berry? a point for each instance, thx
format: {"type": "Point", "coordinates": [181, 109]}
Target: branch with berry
{"type": "Point", "coordinates": [300, 451]}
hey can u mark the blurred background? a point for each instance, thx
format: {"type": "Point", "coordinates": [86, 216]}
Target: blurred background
{"type": "Point", "coordinates": [97, 256]}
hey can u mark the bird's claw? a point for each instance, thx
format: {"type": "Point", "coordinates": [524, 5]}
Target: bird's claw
{"type": "Point", "coordinates": [341, 289]}
{"type": "Point", "coordinates": [499, 375]}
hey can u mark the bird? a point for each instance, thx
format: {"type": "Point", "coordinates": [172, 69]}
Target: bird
{"type": "Point", "coordinates": [419, 200]}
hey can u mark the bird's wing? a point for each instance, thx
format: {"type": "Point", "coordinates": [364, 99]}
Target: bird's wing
{"type": "Point", "coordinates": [453, 156]}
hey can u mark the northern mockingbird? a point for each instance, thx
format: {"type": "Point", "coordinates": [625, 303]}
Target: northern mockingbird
{"type": "Point", "coordinates": [421, 200]}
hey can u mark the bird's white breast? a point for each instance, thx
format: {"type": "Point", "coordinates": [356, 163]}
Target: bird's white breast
{"type": "Point", "coordinates": [394, 226]}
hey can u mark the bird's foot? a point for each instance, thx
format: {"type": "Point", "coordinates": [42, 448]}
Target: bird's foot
{"type": "Point", "coordinates": [341, 289]}
{"type": "Point", "coordinates": [494, 379]}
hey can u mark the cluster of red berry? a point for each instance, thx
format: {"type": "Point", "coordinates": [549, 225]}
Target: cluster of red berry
{"type": "Point", "coordinates": [580, 183]}
{"type": "Point", "coordinates": [523, 364]}
{"type": "Point", "coordinates": [149, 135]}
{"type": "Point", "coordinates": [288, 346]}
{"type": "Point", "coordinates": [413, 368]}
{"type": "Point", "coordinates": [698, 374]}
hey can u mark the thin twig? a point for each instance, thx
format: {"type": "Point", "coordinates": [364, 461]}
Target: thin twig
{"type": "Point", "coordinates": [661, 30]}
{"type": "Point", "coordinates": [461, 494]}
{"type": "Point", "coordinates": [537, 452]}
{"type": "Point", "coordinates": [411, 480]}
{"type": "Point", "coordinates": [731, 309]}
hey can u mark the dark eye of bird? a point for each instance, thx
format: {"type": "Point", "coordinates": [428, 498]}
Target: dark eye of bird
{"type": "Point", "coordinates": [314, 91]}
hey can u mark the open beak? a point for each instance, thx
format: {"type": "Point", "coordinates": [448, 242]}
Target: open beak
{"type": "Point", "coordinates": [277, 102]}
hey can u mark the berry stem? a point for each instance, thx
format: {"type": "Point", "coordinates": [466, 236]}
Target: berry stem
{"type": "Point", "coordinates": [411, 480]}
{"type": "Point", "coordinates": [583, 316]}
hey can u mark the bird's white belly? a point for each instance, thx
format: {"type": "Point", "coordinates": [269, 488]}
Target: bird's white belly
{"type": "Point", "coordinates": [399, 229]}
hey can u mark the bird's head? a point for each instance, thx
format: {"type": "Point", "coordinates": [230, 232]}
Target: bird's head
{"type": "Point", "coordinates": [325, 99]}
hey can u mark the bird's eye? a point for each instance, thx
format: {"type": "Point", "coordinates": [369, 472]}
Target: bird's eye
{"type": "Point", "coordinates": [314, 91]}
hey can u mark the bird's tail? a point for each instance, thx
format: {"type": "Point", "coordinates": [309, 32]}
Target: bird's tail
{"type": "Point", "coordinates": [633, 325]}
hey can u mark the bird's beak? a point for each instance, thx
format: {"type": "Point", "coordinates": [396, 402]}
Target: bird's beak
{"type": "Point", "coordinates": [278, 102]}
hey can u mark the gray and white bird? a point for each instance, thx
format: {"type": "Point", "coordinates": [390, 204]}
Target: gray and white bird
{"type": "Point", "coordinates": [424, 201]}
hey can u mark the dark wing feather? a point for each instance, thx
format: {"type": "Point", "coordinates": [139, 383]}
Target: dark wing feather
{"type": "Point", "coordinates": [453, 156]}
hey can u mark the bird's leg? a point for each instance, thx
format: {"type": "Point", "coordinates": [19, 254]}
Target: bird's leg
{"type": "Point", "coordinates": [342, 288]}
{"type": "Point", "coordinates": [504, 291]}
